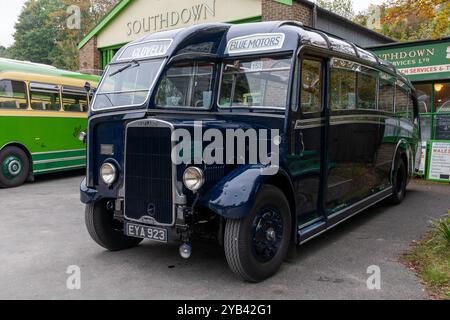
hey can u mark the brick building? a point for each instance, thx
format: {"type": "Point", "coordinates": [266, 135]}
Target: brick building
{"type": "Point", "coordinates": [132, 19]}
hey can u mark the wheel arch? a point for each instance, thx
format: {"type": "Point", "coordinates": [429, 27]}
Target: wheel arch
{"type": "Point", "coordinates": [234, 195]}
{"type": "Point", "coordinates": [403, 152]}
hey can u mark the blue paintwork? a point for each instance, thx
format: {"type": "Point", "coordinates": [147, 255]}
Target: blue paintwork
{"type": "Point", "coordinates": [234, 194]}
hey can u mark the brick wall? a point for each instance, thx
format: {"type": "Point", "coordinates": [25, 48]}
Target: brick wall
{"type": "Point", "coordinates": [90, 57]}
{"type": "Point", "coordinates": [299, 11]}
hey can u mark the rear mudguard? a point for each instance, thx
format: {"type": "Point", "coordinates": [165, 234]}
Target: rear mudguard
{"type": "Point", "coordinates": [234, 196]}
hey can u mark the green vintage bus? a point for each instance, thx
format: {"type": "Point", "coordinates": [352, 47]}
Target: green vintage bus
{"type": "Point", "coordinates": [42, 112]}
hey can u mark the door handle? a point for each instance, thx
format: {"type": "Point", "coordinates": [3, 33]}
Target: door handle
{"type": "Point", "coordinates": [302, 143]}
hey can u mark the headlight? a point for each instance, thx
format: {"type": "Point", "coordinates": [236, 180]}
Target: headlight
{"type": "Point", "coordinates": [193, 178]}
{"type": "Point", "coordinates": [82, 136]}
{"type": "Point", "coordinates": [108, 173]}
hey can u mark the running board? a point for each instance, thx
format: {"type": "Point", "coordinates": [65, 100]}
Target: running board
{"type": "Point", "coordinates": [313, 230]}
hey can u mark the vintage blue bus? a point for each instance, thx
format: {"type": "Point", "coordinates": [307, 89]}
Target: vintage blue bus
{"type": "Point", "coordinates": [339, 126]}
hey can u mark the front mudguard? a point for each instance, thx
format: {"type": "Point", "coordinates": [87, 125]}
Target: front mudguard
{"type": "Point", "coordinates": [88, 195]}
{"type": "Point", "coordinates": [234, 196]}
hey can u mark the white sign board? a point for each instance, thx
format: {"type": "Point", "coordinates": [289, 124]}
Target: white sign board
{"type": "Point", "coordinates": [421, 158]}
{"type": "Point", "coordinates": [439, 161]}
{"type": "Point", "coordinates": [256, 42]}
{"type": "Point", "coordinates": [148, 49]}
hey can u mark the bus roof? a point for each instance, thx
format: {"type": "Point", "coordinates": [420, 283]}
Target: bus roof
{"type": "Point", "coordinates": [233, 40]}
{"type": "Point", "coordinates": [9, 65]}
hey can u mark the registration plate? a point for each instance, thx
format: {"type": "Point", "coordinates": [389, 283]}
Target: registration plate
{"type": "Point", "coordinates": [140, 231]}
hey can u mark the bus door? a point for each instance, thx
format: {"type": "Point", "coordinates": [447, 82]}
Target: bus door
{"type": "Point", "coordinates": [306, 148]}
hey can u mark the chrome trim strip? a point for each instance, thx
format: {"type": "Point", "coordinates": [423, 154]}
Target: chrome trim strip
{"type": "Point", "coordinates": [59, 151]}
{"type": "Point", "coordinates": [59, 168]}
{"type": "Point", "coordinates": [59, 160]}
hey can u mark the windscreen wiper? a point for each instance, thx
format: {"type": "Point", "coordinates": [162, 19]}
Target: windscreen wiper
{"type": "Point", "coordinates": [133, 63]}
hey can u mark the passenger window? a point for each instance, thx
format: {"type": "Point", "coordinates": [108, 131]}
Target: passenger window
{"type": "Point", "coordinates": [386, 93]}
{"type": "Point", "coordinates": [401, 102]}
{"type": "Point", "coordinates": [74, 101]}
{"type": "Point", "coordinates": [13, 95]}
{"type": "Point", "coordinates": [367, 89]}
{"type": "Point", "coordinates": [311, 86]}
{"type": "Point", "coordinates": [255, 83]}
{"type": "Point", "coordinates": [343, 84]}
{"type": "Point", "coordinates": [186, 85]}
{"type": "Point", "coordinates": [44, 97]}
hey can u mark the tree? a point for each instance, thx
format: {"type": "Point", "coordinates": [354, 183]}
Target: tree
{"type": "Point", "coordinates": [418, 19]}
{"type": "Point", "coordinates": [34, 37]}
{"type": "Point", "coordinates": [343, 8]}
{"type": "Point", "coordinates": [44, 33]}
{"type": "Point", "coordinates": [90, 13]}
{"type": "Point", "coordinates": [3, 52]}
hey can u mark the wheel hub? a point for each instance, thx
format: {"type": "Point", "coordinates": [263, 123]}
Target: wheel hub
{"type": "Point", "coordinates": [270, 234]}
{"type": "Point", "coordinates": [267, 234]}
{"type": "Point", "coordinates": [12, 167]}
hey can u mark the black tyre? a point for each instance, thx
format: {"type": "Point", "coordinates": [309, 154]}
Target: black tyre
{"type": "Point", "coordinates": [256, 246]}
{"type": "Point", "coordinates": [105, 230]}
{"type": "Point", "coordinates": [14, 167]}
{"type": "Point", "coordinates": [400, 177]}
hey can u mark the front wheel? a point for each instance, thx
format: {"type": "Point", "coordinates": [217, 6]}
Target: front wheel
{"type": "Point", "coordinates": [14, 167]}
{"type": "Point", "coordinates": [105, 230]}
{"type": "Point", "coordinates": [256, 246]}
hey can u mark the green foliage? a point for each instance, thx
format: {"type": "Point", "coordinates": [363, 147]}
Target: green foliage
{"type": "Point", "coordinates": [443, 227]}
{"type": "Point", "coordinates": [407, 20]}
{"type": "Point", "coordinates": [430, 258]}
{"type": "Point", "coordinates": [42, 34]}
{"type": "Point", "coordinates": [3, 52]}
{"type": "Point", "coordinates": [344, 8]}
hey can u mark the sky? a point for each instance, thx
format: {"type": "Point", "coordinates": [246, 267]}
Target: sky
{"type": "Point", "coordinates": [10, 10]}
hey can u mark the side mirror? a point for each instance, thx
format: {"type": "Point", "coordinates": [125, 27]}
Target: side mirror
{"type": "Point", "coordinates": [87, 87]}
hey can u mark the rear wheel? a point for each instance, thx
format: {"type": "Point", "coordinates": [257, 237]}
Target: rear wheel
{"type": "Point", "coordinates": [400, 177]}
{"type": "Point", "coordinates": [105, 230]}
{"type": "Point", "coordinates": [256, 246]}
{"type": "Point", "coordinates": [14, 167]}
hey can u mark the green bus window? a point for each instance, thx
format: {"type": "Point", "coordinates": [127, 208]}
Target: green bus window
{"type": "Point", "coordinates": [311, 86]}
{"type": "Point", "coordinates": [13, 95]}
{"type": "Point", "coordinates": [343, 88]}
{"type": "Point", "coordinates": [401, 102]}
{"type": "Point", "coordinates": [44, 97]}
{"type": "Point", "coordinates": [367, 90]}
{"type": "Point", "coordinates": [386, 94]}
{"type": "Point", "coordinates": [74, 102]}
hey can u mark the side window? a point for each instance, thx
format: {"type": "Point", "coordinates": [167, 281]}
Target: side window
{"type": "Point", "coordinates": [186, 85]}
{"type": "Point", "coordinates": [74, 100]}
{"type": "Point", "coordinates": [410, 107]}
{"type": "Point", "coordinates": [401, 102]}
{"type": "Point", "coordinates": [367, 89]}
{"type": "Point", "coordinates": [311, 86]}
{"type": "Point", "coordinates": [13, 95]}
{"type": "Point", "coordinates": [343, 89]}
{"type": "Point", "coordinates": [44, 97]}
{"type": "Point", "coordinates": [386, 93]}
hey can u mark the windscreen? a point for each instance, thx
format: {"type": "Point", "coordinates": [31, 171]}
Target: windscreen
{"type": "Point", "coordinates": [126, 84]}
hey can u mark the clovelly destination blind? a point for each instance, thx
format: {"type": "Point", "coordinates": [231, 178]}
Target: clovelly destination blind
{"type": "Point", "coordinates": [147, 49]}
